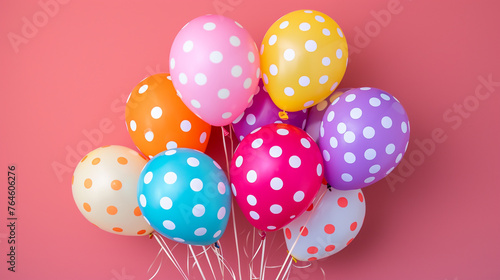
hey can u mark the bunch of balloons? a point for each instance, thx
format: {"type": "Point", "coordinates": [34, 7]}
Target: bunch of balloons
{"type": "Point", "coordinates": [298, 134]}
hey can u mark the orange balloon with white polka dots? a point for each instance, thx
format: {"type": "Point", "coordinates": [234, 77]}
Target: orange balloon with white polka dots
{"type": "Point", "coordinates": [303, 59]}
{"type": "Point", "coordinates": [104, 188]}
{"type": "Point", "coordinates": [158, 120]}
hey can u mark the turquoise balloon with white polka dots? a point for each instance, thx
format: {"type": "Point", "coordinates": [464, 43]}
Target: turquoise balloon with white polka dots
{"type": "Point", "coordinates": [184, 195]}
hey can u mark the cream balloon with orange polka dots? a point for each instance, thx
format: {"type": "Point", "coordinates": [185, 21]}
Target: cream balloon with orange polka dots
{"type": "Point", "coordinates": [105, 190]}
{"type": "Point", "coordinates": [303, 59]}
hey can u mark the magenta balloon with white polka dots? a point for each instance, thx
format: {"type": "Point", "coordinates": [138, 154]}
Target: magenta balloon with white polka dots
{"type": "Point", "coordinates": [214, 64]}
{"type": "Point", "coordinates": [276, 171]}
{"type": "Point", "coordinates": [363, 136]}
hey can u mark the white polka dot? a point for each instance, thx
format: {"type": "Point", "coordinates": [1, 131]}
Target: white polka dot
{"type": "Point", "coordinates": [289, 91]}
{"type": "Point", "coordinates": [195, 103]}
{"type": "Point", "coordinates": [304, 26]}
{"type": "Point", "coordinates": [389, 171]}
{"type": "Point", "coordinates": [251, 176]}
{"type": "Point", "coordinates": [262, 48]}
{"type": "Point", "coordinates": [235, 41]}
{"type": "Point", "coordinates": [368, 132]}
{"type": "Point", "coordinates": [273, 39]}
{"type": "Point", "coordinates": [370, 154]}
{"type": "Point", "coordinates": [298, 196]}
{"type": "Point", "coordinates": [341, 128]}
{"type": "Point", "coordinates": [319, 169]}
{"type": "Point", "coordinates": [169, 225]}
{"type": "Point", "coordinates": [389, 149]}
{"type": "Point", "coordinates": [326, 32]}
{"type": "Point", "coordinates": [133, 125]}
{"type": "Point", "coordinates": [221, 187]}
{"type": "Point", "coordinates": [404, 127]}
{"type": "Point", "coordinates": [311, 45]}
{"type": "Point", "coordinates": [375, 102]}
{"type": "Point", "coordinates": [322, 105]}
{"type": "Point", "coordinates": [385, 96]}
{"type": "Point", "coordinates": [255, 130]}
{"type": "Point", "coordinates": [294, 161]}
{"type": "Point", "coordinates": [198, 210]}
{"type": "Point", "coordinates": [330, 116]}
{"type": "Point", "coordinates": [183, 78]}
{"type": "Point", "coordinates": [308, 103]}
{"type": "Point", "coordinates": [216, 57]}
{"type": "Point", "coordinates": [339, 53]}
{"type": "Point", "coordinates": [251, 200]}
{"type": "Point", "coordinates": [273, 69]}
{"type": "Point", "coordinates": [166, 203]}
{"type": "Point", "coordinates": [171, 145]}
{"type": "Point", "coordinates": [149, 136]}
{"type": "Point", "coordinates": [369, 179]}
{"type": "Point", "coordinates": [196, 185]}
{"type": "Point", "coordinates": [326, 155]}
{"type": "Point", "coordinates": [188, 46]}
{"type": "Point", "coordinates": [275, 209]}
{"type": "Point", "coordinates": [284, 24]}
{"type": "Point", "coordinates": [399, 157]}
{"type": "Point", "coordinates": [200, 231]}
{"type": "Point", "coordinates": [332, 88]}
{"type": "Point", "coordinates": [282, 131]}
{"type": "Point", "coordinates": [148, 177]}
{"type": "Point", "coordinates": [340, 32]}
{"type": "Point", "coordinates": [275, 151]}
{"type": "Point", "coordinates": [241, 138]}
{"type": "Point", "coordinates": [170, 178]}
{"type": "Point", "coordinates": [325, 61]}
{"type": "Point", "coordinates": [239, 161]}
{"type": "Point", "coordinates": [374, 169]}
{"type": "Point", "coordinates": [334, 142]}
{"type": "Point", "coordinates": [276, 183]}
{"type": "Point", "coordinates": [238, 119]}
{"type": "Point", "coordinates": [156, 112]}
{"type": "Point", "coordinates": [323, 79]}
{"type": "Point", "coordinates": [178, 239]}
{"type": "Point", "coordinates": [406, 147]}
{"type": "Point", "coordinates": [170, 152]}
{"type": "Point", "coordinates": [142, 200]}
{"type": "Point", "coordinates": [350, 97]}
{"type": "Point", "coordinates": [321, 130]}
{"type": "Point", "coordinates": [227, 115]}
{"type": "Point", "coordinates": [185, 126]}
{"type": "Point", "coordinates": [349, 137]}
{"type": "Point", "coordinates": [346, 177]}
{"type": "Point", "coordinates": [308, 12]}
{"type": "Point", "coordinates": [356, 113]}
{"type": "Point", "coordinates": [172, 64]}
{"type": "Point", "coordinates": [349, 157]}
{"type": "Point", "coordinates": [365, 88]}
{"type": "Point", "coordinates": [304, 81]}
{"type": "Point", "coordinates": [143, 88]}
{"type": "Point", "coordinates": [209, 26]}
{"type": "Point", "coordinates": [319, 18]}
{"type": "Point", "coordinates": [193, 162]}
{"type": "Point", "coordinates": [289, 54]}
{"type": "Point", "coordinates": [221, 213]}
{"type": "Point", "coordinates": [257, 143]}
{"type": "Point", "coordinates": [217, 233]}
{"type": "Point", "coordinates": [234, 189]}
{"type": "Point", "coordinates": [236, 71]}
{"type": "Point", "coordinates": [251, 57]}
{"type": "Point", "coordinates": [250, 119]}
{"type": "Point", "coordinates": [223, 93]}
{"type": "Point", "coordinates": [305, 143]}
{"type": "Point", "coordinates": [238, 24]}
{"type": "Point", "coordinates": [386, 122]}
{"type": "Point", "coordinates": [254, 215]}
{"type": "Point", "coordinates": [247, 83]}
{"type": "Point", "coordinates": [271, 227]}
{"type": "Point", "coordinates": [265, 79]}
{"type": "Point", "coordinates": [150, 156]}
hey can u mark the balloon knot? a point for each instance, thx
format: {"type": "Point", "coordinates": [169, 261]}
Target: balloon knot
{"type": "Point", "coordinates": [283, 115]}
{"type": "Point", "coordinates": [262, 235]}
{"type": "Point", "coordinates": [226, 133]}
{"type": "Point", "coordinates": [329, 187]}
{"type": "Point", "coordinates": [216, 245]}
{"type": "Point", "coordinates": [151, 236]}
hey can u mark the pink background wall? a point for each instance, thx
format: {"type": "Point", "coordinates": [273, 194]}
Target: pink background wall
{"type": "Point", "coordinates": [67, 69]}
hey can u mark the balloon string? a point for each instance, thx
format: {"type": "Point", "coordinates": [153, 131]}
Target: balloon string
{"type": "Point", "coordinates": [169, 255]}
{"type": "Point", "coordinates": [287, 272]}
{"type": "Point", "coordinates": [161, 261]}
{"type": "Point", "coordinates": [196, 262]}
{"type": "Point", "coordinates": [187, 261]}
{"type": "Point", "coordinates": [300, 234]}
{"type": "Point", "coordinates": [209, 262]}
{"type": "Point", "coordinates": [224, 261]}
{"type": "Point", "coordinates": [262, 268]}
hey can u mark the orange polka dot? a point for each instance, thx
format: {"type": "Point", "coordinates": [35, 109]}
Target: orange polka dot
{"type": "Point", "coordinates": [122, 160]}
{"type": "Point", "coordinates": [310, 207]}
{"type": "Point", "coordinates": [329, 229]}
{"type": "Point", "coordinates": [117, 229]}
{"type": "Point", "coordinates": [330, 248]}
{"type": "Point", "coordinates": [72, 179]}
{"type": "Point", "coordinates": [86, 206]}
{"type": "Point", "coordinates": [305, 232]}
{"type": "Point", "coordinates": [312, 259]}
{"type": "Point", "coordinates": [354, 226]}
{"type": "Point", "coordinates": [112, 210]}
{"type": "Point", "coordinates": [288, 233]}
{"type": "Point", "coordinates": [84, 158]}
{"type": "Point", "coordinates": [116, 185]}
{"type": "Point", "coordinates": [137, 211]}
{"type": "Point", "coordinates": [312, 250]}
{"type": "Point", "coordinates": [142, 231]}
{"type": "Point", "coordinates": [96, 161]}
{"type": "Point", "coordinates": [349, 242]}
{"type": "Point", "coordinates": [106, 146]}
{"type": "Point", "coordinates": [87, 183]}
{"type": "Point", "coordinates": [342, 202]}
{"type": "Point", "coordinates": [360, 196]}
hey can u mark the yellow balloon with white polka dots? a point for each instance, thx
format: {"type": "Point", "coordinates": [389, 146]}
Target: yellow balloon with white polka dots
{"type": "Point", "coordinates": [303, 59]}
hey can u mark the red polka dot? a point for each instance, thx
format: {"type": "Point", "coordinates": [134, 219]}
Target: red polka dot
{"type": "Point", "coordinates": [329, 229]}
{"type": "Point", "coordinates": [310, 207]}
{"type": "Point", "coordinates": [349, 242]}
{"type": "Point", "coordinates": [288, 233]}
{"type": "Point", "coordinates": [305, 232]}
{"type": "Point", "coordinates": [342, 202]}
{"type": "Point", "coordinates": [360, 196]}
{"type": "Point", "coordinates": [312, 250]}
{"type": "Point", "coordinates": [354, 226]}
{"type": "Point", "coordinates": [312, 259]}
{"type": "Point", "coordinates": [330, 248]}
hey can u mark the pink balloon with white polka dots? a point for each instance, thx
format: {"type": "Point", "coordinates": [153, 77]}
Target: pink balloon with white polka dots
{"type": "Point", "coordinates": [275, 173]}
{"type": "Point", "coordinates": [363, 136]}
{"type": "Point", "coordinates": [214, 64]}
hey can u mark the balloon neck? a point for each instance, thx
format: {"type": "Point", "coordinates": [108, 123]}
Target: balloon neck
{"type": "Point", "coordinates": [329, 187]}
{"type": "Point", "coordinates": [151, 236]}
{"type": "Point", "coordinates": [262, 235]}
{"type": "Point", "coordinates": [283, 115]}
{"type": "Point", "coordinates": [293, 258]}
{"type": "Point", "coordinates": [226, 133]}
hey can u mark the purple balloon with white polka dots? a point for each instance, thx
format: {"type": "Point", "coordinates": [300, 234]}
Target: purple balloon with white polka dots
{"type": "Point", "coordinates": [363, 136]}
